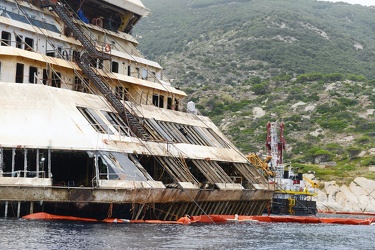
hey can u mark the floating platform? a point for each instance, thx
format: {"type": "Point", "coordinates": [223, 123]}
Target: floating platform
{"type": "Point", "coordinates": [214, 219]}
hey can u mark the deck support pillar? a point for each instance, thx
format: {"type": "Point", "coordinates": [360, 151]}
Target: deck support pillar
{"type": "Point", "coordinates": [6, 210]}
{"type": "Point", "coordinates": [18, 209]}
{"type": "Point", "coordinates": [31, 207]}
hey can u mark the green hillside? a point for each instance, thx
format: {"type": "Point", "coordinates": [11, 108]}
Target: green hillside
{"type": "Point", "coordinates": [244, 63]}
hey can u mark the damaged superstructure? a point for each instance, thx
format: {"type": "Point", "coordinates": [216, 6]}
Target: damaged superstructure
{"type": "Point", "coordinates": [89, 127]}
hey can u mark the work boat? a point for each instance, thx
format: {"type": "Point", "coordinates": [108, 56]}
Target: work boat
{"type": "Point", "coordinates": [91, 128]}
{"type": "Point", "coordinates": [294, 192]}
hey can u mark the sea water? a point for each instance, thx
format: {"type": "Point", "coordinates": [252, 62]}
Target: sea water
{"type": "Point", "coordinates": [24, 234]}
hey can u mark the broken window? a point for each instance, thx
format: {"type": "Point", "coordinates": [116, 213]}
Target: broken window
{"type": "Point", "coordinates": [95, 121]}
{"type": "Point", "coordinates": [56, 80]}
{"type": "Point", "coordinates": [144, 73]}
{"type": "Point", "coordinates": [119, 90]}
{"type": "Point", "coordinates": [117, 123]}
{"type": "Point", "coordinates": [72, 168]}
{"type": "Point", "coordinates": [19, 73]}
{"type": "Point", "coordinates": [80, 85]}
{"type": "Point", "coordinates": [29, 44]}
{"type": "Point", "coordinates": [33, 73]}
{"type": "Point", "coordinates": [119, 167]}
{"type": "Point", "coordinates": [6, 38]}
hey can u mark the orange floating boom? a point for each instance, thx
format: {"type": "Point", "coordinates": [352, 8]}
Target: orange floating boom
{"type": "Point", "coordinates": [214, 219]}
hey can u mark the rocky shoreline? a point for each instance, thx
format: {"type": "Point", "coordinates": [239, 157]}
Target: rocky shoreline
{"type": "Point", "coordinates": [359, 196]}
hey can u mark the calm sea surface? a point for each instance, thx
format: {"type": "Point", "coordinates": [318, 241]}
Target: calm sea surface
{"type": "Point", "coordinates": [22, 234]}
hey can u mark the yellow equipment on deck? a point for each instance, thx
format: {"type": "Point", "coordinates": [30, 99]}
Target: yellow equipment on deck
{"type": "Point", "coordinates": [257, 162]}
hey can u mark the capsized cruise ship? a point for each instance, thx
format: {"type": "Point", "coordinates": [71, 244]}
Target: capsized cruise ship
{"type": "Point", "coordinates": [89, 127]}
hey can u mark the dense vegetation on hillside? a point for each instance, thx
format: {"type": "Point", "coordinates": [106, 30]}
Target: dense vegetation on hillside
{"type": "Point", "coordinates": [306, 63]}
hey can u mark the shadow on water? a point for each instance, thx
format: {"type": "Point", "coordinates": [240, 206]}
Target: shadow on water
{"type": "Point", "coordinates": [22, 234]}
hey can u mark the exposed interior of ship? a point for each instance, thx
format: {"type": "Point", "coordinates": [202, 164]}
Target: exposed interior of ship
{"type": "Point", "coordinates": [92, 128]}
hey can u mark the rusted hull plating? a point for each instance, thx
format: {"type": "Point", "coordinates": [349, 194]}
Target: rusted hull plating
{"type": "Point", "coordinates": [160, 204]}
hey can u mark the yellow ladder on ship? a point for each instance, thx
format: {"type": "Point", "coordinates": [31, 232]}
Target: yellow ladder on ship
{"type": "Point", "coordinates": [291, 204]}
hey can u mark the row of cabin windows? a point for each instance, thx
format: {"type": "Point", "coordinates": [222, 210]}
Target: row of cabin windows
{"type": "Point", "coordinates": [158, 101]}
{"type": "Point", "coordinates": [27, 43]}
{"type": "Point", "coordinates": [79, 85]}
{"type": "Point", "coordinates": [139, 72]}
{"type": "Point", "coordinates": [33, 75]}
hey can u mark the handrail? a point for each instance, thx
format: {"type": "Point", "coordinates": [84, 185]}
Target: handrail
{"type": "Point", "coordinates": [21, 173]}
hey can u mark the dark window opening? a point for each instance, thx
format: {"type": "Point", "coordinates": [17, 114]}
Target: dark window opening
{"type": "Point", "coordinates": [155, 100]}
{"type": "Point", "coordinates": [33, 73]}
{"type": "Point", "coordinates": [51, 54]}
{"type": "Point", "coordinates": [69, 168]}
{"type": "Point", "coordinates": [138, 72]}
{"type": "Point", "coordinates": [154, 169]}
{"type": "Point", "coordinates": [19, 41]}
{"type": "Point", "coordinates": [45, 76]}
{"type": "Point", "coordinates": [19, 73]}
{"type": "Point", "coordinates": [76, 55]}
{"type": "Point", "coordinates": [129, 70]}
{"type": "Point", "coordinates": [161, 101]}
{"type": "Point", "coordinates": [114, 67]}
{"type": "Point", "coordinates": [72, 169]}
{"type": "Point", "coordinates": [232, 172]}
{"type": "Point", "coordinates": [6, 38]}
{"type": "Point", "coordinates": [29, 44]}
{"type": "Point", "coordinates": [56, 80]}
{"type": "Point", "coordinates": [169, 103]}
{"type": "Point", "coordinates": [99, 64]}
{"type": "Point", "coordinates": [103, 169]}
{"type": "Point", "coordinates": [198, 174]}
{"type": "Point", "coordinates": [119, 91]}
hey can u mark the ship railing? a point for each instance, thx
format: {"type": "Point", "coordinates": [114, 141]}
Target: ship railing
{"type": "Point", "coordinates": [116, 176]}
{"type": "Point", "coordinates": [62, 53]}
{"type": "Point", "coordinates": [17, 44]}
{"type": "Point", "coordinates": [25, 174]}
